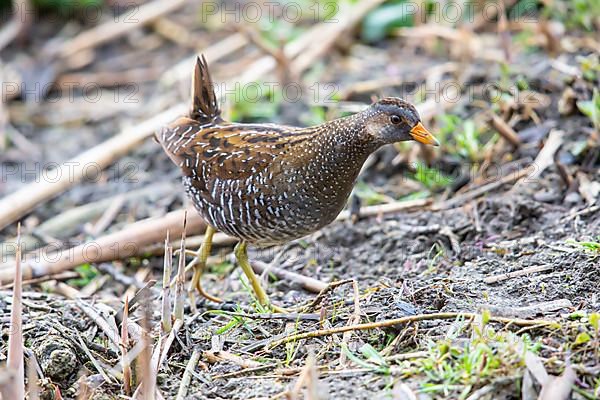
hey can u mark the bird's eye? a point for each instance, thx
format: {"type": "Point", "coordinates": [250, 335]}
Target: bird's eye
{"type": "Point", "coordinates": [395, 119]}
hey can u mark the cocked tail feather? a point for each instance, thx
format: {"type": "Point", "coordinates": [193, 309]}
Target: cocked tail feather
{"type": "Point", "coordinates": [205, 106]}
{"type": "Point", "coordinates": [204, 113]}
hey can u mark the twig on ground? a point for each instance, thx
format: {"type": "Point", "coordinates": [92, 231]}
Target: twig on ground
{"type": "Point", "coordinates": [213, 357]}
{"type": "Point", "coordinates": [15, 205]}
{"type": "Point", "coordinates": [58, 277]}
{"type": "Point", "coordinates": [504, 129]}
{"type": "Point", "coordinates": [282, 316]}
{"type": "Point", "coordinates": [278, 53]}
{"type": "Point", "coordinates": [573, 215]}
{"type": "Point", "coordinates": [135, 291]}
{"type": "Point", "coordinates": [244, 371]}
{"type": "Point", "coordinates": [389, 208]}
{"type": "Point", "coordinates": [144, 363]}
{"type": "Point", "coordinates": [329, 288]}
{"type": "Point", "coordinates": [545, 157]}
{"type": "Point", "coordinates": [399, 321]}
{"type": "Point", "coordinates": [68, 222]}
{"type": "Point", "coordinates": [187, 375]}
{"type": "Point", "coordinates": [308, 283]}
{"type": "Point", "coordinates": [63, 289]}
{"type": "Point", "coordinates": [509, 275]}
{"type": "Point", "coordinates": [18, 24]}
{"type": "Point", "coordinates": [94, 285]}
{"type": "Point", "coordinates": [33, 387]}
{"type": "Point", "coordinates": [217, 51]}
{"type": "Point", "coordinates": [108, 216]}
{"type": "Point", "coordinates": [407, 356]}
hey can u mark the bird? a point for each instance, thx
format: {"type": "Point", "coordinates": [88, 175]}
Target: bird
{"type": "Point", "coordinates": [268, 184]}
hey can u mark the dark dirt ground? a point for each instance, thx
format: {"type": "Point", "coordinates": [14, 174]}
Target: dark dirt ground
{"type": "Point", "coordinates": [405, 263]}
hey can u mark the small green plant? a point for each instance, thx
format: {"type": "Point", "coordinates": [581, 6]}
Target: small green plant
{"type": "Point", "coordinates": [431, 178]}
{"type": "Point", "coordinates": [575, 13]}
{"type": "Point", "coordinates": [315, 116]}
{"type": "Point", "coordinates": [255, 303]}
{"type": "Point", "coordinates": [255, 102]}
{"type": "Point", "coordinates": [454, 367]}
{"type": "Point", "coordinates": [590, 246]}
{"type": "Point", "coordinates": [590, 67]}
{"type": "Point", "coordinates": [233, 323]}
{"type": "Point", "coordinates": [86, 272]}
{"type": "Point", "coordinates": [291, 348]}
{"type": "Point", "coordinates": [463, 136]}
{"type": "Point", "coordinates": [372, 360]}
{"type": "Point", "coordinates": [591, 109]}
{"type": "Point", "coordinates": [467, 139]}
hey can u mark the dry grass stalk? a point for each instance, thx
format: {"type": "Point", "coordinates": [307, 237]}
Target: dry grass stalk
{"type": "Point", "coordinates": [160, 354]}
{"type": "Point", "coordinates": [308, 378]}
{"type": "Point", "coordinates": [33, 388]}
{"type": "Point", "coordinates": [111, 30]}
{"type": "Point", "coordinates": [220, 49]}
{"type": "Point", "coordinates": [463, 198]}
{"type": "Point", "coordinates": [180, 280]}
{"type": "Point", "coordinates": [107, 327]}
{"type": "Point", "coordinates": [18, 25]}
{"type": "Point", "coordinates": [560, 387]}
{"type": "Point", "coordinates": [96, 363]}
{"type": "Point", "coordinates": [84, 392]}
{"type": "Point", "coordinates": [328, 289]}
{"type": "Point", "coordinates": [108, 216]}
{"type": "Point", "coordinates": [166, 324]}
{"type": "Point", "coordinates": [144, 361]}
{"type": "Point", "coordinates": [353, 320]}
{"type": "Point", "coordinates": [128, 242]}
{"type": "Point", "coordinates": [14, 362]}
{"type": "Point", "coordinates": [124, 347]}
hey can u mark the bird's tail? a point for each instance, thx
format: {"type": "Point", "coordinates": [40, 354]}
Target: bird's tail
{"type": "Point", "coordinates": [204, 111]}
{"type": "Point", "coordinates": [205, 106]}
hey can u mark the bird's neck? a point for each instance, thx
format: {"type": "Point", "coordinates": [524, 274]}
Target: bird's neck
{"type": "Point", "coordinates": [348, 141]}
{"type": "Point", "coordinates": [340, 150]}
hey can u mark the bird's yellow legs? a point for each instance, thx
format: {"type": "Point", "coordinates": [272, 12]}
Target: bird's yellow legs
{"type": "Point", "coordinates": [200, 265]}
{"type": "Point", "coordinates": [241, 254]}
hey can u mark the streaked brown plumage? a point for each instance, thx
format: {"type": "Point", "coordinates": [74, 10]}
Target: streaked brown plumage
{"type": "Point", "coordinates": [269, 184]}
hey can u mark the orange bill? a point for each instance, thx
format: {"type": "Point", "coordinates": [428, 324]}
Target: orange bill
{"type": "Point", "coordinates": [422, 135]}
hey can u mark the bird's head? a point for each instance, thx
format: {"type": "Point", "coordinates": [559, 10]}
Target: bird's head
{"type": "Point", "coordinates": [391, 120]}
